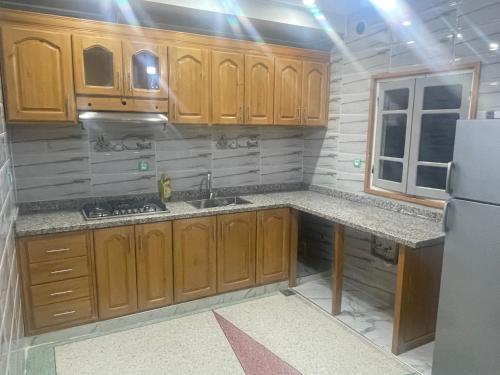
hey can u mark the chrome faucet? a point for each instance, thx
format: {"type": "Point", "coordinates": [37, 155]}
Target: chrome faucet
{"type": "Point", "coordinates": [209, 180]}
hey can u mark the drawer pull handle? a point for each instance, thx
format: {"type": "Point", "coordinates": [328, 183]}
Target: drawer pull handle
{"type": "Point", "coordinates": [60, 293]}
{"type": "Point", "coordinates": [58, 250]}
{"type": "Point", "coordinates": [64, 313]}
{"type": "Point", "coordinates": [61, 271]}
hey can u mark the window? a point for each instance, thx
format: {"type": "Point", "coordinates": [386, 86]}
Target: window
{"type": "Point", "coordinates": [414, 131]}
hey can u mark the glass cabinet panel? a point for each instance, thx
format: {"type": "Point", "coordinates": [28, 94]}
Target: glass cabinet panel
{"type": "Point", "coordinates": [146, 71]}
{"type": "Point", "coordinates": [98, 66]}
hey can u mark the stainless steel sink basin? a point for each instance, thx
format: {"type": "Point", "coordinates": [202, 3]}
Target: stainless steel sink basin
{"type": "Point", "coordinates": [218, 202]}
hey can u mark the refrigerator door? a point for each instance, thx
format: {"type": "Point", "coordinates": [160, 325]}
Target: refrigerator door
{"type": "Point", "coordinates": [475, 173]}
{"type": "Point", "coordinates": [468, 325]}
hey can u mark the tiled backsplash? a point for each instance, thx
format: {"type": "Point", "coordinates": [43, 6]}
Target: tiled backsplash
{"type": "Point", "coordinates": [444, 32]}
{"type": "Point", "coordinates": [11, 322]}
{"type": "Point", "coordinates": [54, 162]}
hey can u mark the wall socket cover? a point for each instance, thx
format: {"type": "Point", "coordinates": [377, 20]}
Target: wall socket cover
{"type": "Point", "coordinates": [357, 163]}
{"type": "Point", "coordinates": [143, 166]}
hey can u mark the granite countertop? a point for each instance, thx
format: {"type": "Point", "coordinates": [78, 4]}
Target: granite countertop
{"type": "Point", "coordinates": [406, 229]}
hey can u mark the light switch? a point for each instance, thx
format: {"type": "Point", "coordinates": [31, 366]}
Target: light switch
{"type": "Point", "coordinates": [143, 166]}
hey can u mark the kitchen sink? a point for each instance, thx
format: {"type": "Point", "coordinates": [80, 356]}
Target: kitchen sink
{"type": "Point", "coordinates": [218, 202]}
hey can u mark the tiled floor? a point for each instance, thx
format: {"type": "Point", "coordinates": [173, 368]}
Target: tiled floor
{"type": "Point", "coordinates": [272, 335]}
{"type": "Point", "coordinates": [366, 315]}
{"type": "Point", "coordinates": [266, 333]}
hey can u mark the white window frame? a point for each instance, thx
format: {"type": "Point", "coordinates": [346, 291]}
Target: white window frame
{"type": "Point", "coordinates": [413, 128]}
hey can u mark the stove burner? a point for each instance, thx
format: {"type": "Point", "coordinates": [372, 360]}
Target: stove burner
{"type": "Point", "coordinates": [125, 207]}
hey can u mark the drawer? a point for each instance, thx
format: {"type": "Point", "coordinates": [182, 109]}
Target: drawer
{"type": "Point", "coordinates": [60, 291]}
{"type": "Point", "coordinates": [56, 246]}
{"type": "Point", "coordinates": [77, 311]}
{"type": "Point", "coordinates": [63, 269]}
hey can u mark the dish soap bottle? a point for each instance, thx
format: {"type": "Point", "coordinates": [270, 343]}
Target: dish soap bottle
{"type": "Point", "coordinates": [164, 188]}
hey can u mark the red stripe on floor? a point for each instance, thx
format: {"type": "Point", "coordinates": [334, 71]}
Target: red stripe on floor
{"type": "Point", "coordinates": [254, 357]}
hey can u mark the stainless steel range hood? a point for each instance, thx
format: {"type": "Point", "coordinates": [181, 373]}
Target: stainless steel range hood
{"type": "Point", "coordinates": [120, 117]}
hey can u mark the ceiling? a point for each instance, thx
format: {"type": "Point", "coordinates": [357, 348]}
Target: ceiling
{"type": "Point", "coordinates": [286, 22]}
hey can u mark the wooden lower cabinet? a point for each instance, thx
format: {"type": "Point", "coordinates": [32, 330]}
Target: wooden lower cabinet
{"type": "Point", "coordinates": [154, 265]}
{"type": "Point", "coordinates": [236, 251]}
{"type": "Point", "coordinates": [273, 245]}
{"type": "Point", "coordinates": [195, 267]}
{"type": "Point", "coordinates": [116, 271]}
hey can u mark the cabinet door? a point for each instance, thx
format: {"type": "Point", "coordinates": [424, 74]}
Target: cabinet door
{"type": "Point", "coordinates": [288, 91]}
{"type": "Point", "coordinates": [98, 65]}
{"type": "Point", "coordinates": [146, 69]}
{"type": "Point", "coordinates": [228, 70]}
{"type": "Point", "coordinates": [315, 93]}
{"type": "Point", "coordinates": [189, 83]}
{"type": "Point", "coordinates": [259, 90]}
{"type": "Point", "coordinates": [115, 269]}
{"type": "Point", "coordinates": [236, 251]}
{"type": "Point", "coordinates": [38, 75]}
{"type": "Point", "coordinates": [273, 245]}
{"type": "Point", "coordinates": [154, 265]}
{"type": "Point", "coordinates": [194, 258]}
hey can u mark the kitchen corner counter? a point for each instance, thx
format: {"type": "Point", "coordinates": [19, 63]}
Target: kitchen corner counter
{"type": "Point", "coordinates": [405, 229]}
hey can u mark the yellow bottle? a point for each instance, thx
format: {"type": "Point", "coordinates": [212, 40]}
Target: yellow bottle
{"type": "Point", "coordinates": [165, 188]}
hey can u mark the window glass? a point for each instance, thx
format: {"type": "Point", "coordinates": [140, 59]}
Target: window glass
{"type": "Point", "coordinates": [391, 170]}
{"type": "Point", "coordinates": [393, 135]}
{"type": "Point", "coordinates": [431, 177]}
{"type": "Point", "coordinates": [396, 99]}
{"type": "Point", "coordinates": [442, 97]}
{"type": "Point", "coordinates": [437, 137]}
{"type": "Point", "coordinates": [98, 67]}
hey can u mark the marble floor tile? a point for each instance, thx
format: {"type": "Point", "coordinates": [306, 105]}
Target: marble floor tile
{"type": "Point", "coordinates": [368, 316]}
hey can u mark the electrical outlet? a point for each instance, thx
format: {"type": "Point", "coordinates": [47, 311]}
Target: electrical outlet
{"type": "Point", "coordinates": [143, 166]}
{"type": "Point", "coordinates": [357, 163]}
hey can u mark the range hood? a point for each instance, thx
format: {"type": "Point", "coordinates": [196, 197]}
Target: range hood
{"type": "Point", "coordinates": [130, 117]}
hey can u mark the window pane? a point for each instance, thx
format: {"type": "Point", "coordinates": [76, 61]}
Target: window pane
{"type": "Point", "coordinates": [146, 71]}
{"type": "Point", "coordinates": [431, 177]}
{"type": "Point", "coordinates": [443, 97]}
{"type": "Point", "coordinates": [98, 66]}
{"type": "Point", "coordinates": [437, 137]}
{"type": "Point", "coordinates": [391, 170]}
{"type": "Point", "coordinates": [396, 99]}
{"type": "Point", "coordinates": [393, 135]}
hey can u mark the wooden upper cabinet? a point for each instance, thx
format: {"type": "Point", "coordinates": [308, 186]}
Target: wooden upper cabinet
{"type": "Point", "coordinates": [38, 75]}
{"type": "Point", "coordinates": [315, 93]}
{"type": "Point", "coordinates": [273, 245]}
{"type": "Point", "coordinates": [236, 251]}
{"type": "Point", "coordinates": [228, 74]}
{"type": "Point", "coordinates": [145, 69]}
{"type": "Point", "coordinates": [195, 267]}
{"type": "Point", "coordinates": [288, 91]}
{"type": "Point", "coordinates": [189, 83]}
{"type": "Point", "coordinates": [259, 90]}
{"type": "Point", "coordinates": [115, 270]}
{"type": "Point", "coordinates": [154, 265]}
{"type": "Point", "coordinates": [98, 65]}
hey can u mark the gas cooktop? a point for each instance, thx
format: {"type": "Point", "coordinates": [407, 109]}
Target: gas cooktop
{"type": "Point", "coordinates": [102, 209]}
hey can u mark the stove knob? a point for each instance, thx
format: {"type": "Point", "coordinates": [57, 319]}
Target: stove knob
{"type": "Point", "coordinates": [123, 211]}
{"type": "Point", "coordinates": [116, 212]}
{"type": "Point", "coordinates": [141, 209]}
{"type": "Point", "coordinates": [135, 210]}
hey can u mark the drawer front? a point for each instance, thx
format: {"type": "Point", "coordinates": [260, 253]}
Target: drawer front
{"type": "Point", "coordinates": [58, 270]}
{"type": "Point", "coordinates": [54, 247]}
{"type": "Point", "coordinates": [75, 311]}
{"type": "Point", "coordinates": [60, 291]}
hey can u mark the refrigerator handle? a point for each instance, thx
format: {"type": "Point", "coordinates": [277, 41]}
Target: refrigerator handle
{"type": "Point", "coordinates": [448, 189]}
{"type": "Point", "coordinates": [445, 216]}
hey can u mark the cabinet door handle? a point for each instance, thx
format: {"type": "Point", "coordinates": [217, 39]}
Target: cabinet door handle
{"type": "Point", "coordinates": [57, 250]}
{"type": "Point", "coordinates": [61, 271]}
{"type": "Point", "coordinates": [66, 103]}
{"type": "Point", "coordinates": [173, 111]}
{"type": "Point", "coordinates": [118, 83]}
{"type": "Point", "coordinates": [64, 313]}
{"type": "Point", "coordinates": [60, 293]}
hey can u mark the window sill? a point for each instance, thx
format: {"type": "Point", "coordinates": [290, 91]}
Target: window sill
{"type": "Point", "coordinates": [406, 198]}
